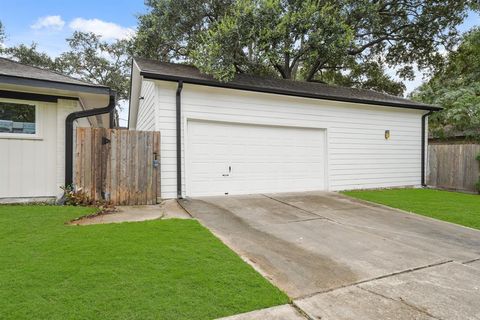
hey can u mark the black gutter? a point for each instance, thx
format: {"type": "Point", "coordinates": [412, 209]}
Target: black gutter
{"type": "Point", "coordinates": [18, 95]}
{"type": "Point", "coordinates": [69, 133]}
{"type": "Point", "coordinates": [179, 138]}
{"type": "Point", "coordinates": [423, 148]}
{"type": "Point", "coordinates": [231, 85]}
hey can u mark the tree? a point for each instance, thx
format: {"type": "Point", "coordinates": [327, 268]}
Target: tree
{"type": "Point", "coordinates": [31, 56]}
{"type": "Point", "coordinates": [335, 41]}
{"type": "Point", "coordinates": [2, 35]}
{"type": "Point", "coordinates": [89, 59]}
{"type": "Point", "coordinates": [456, 88]}
{"type": "Point", "coordinates": [96, 61]}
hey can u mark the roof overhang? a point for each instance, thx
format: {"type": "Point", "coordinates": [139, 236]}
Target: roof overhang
{"type": "Point", "coordinates": [230, 85]}
{"type": "Point", "coordinates": [28, 82]}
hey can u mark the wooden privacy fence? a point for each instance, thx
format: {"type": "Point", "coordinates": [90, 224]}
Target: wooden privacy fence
{"type": "Point", "coordinates": [119, 166]}
{"type": "Point", "coordinates": [453, 166]}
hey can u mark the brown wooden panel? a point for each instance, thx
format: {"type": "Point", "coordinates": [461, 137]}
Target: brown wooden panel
{"type": "Point", "coordinates": [118, 165]}
{"type": "Point", "coordinates": [453, 166]}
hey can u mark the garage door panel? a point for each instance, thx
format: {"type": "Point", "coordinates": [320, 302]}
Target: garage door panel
{"type": "Point", "coordinates": [261, 158]}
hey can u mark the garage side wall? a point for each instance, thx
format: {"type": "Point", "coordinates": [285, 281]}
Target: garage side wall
{"type": "Point", "coordinates": [146, 107]}
{"type": "Point", "coordinates": [358, 154]}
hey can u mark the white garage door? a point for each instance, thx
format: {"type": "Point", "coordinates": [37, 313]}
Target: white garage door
{"type": "Point", "coordinates": [227, 158]}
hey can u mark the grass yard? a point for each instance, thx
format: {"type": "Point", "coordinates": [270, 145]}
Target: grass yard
{"type": "Point", "coordinates": [449, 206]}
{"type": "Point", "coordinates": [170, 269]}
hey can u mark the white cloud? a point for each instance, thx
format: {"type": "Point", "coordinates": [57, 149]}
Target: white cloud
{"type": "Point", "coordinates": [49, 22]}
{"type": "Point", "coordinates": [108, 30]}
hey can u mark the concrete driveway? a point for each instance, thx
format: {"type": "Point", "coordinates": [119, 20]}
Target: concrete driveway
{"type": "Point", "coordinates": [340, 258]}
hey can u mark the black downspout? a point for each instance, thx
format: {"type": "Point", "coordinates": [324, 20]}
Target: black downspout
{"type": "Point", "coordinates": [69, 133]}
{"type": "Point", "coordinates": [179, 138]}
{"type": "Point", "coordinates": [423, 148]}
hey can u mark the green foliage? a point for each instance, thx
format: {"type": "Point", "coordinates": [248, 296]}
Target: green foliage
{"type": "Point", "coordinates": [456, 87]}
{"type": "Point", "coordinates": [339, 42]}
{"type": "Point", "coordinates": [97, 61]}
{"type": "Point", "coordinates": [89, 58]}
{"type": "Point", "coordinates": [455, 207]}
{"type": "Point", "coordinates": [2, 34]}
{"type": "Point", "coordinates": [31, 56]}
{"type": "Point", "coordinates": [161, 269]}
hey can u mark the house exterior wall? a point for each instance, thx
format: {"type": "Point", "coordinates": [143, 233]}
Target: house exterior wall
{"type": "Point", "coordinates": [32, 167]}
{"type": "Point", "coordinates": [146, 109]}
{"type": "Point", "coordinates": [358, 155]}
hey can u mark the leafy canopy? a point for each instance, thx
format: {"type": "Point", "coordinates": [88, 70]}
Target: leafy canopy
{"type": "Point", "coordinates": [456, 88]}
{"type": "Point", "coordinates": [89, 58]}
{"type": "Point", "coordinates": [347, 42]}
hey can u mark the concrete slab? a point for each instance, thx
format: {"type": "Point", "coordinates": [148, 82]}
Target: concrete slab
{"type": "Point", "coordinates": [448, 291]}
{"type": "Point", "coordinates": [354, 303]}
{"type": "Point", "coordinates": [307, 256]}
{"type": "Point", "coordinates": [283, 312]}
{"type": "Point", "coordinates": [168, 209]}
{"type": "Point", "coordinates": [446, 239]}
{"type": "Point", "coordinates": [346, 259]}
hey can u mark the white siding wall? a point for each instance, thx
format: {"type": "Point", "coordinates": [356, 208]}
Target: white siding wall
{"type": "Point", "coordinates": [146, 108]}
{"type": "Point", "coordinates": [358, 154]}
{"type": "Point", "coordinates": [34, 166]}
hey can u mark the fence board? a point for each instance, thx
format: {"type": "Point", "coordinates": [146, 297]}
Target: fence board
{"type": "Point", "coordinates": [117, 165]}
{"type": "Point", "coordinates": [453, 166]}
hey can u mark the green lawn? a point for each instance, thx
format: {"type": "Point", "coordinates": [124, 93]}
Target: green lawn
{"type": "Point", "coordinates": [169, 269]}
{"type": "Point", "coordinates": [449, 206]}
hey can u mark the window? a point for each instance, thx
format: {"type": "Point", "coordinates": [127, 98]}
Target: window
{"type": "Point", "coordinates": [17, 118]}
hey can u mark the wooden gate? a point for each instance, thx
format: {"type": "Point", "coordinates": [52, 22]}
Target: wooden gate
{"type": "Point", "coordinates": [118, 166]}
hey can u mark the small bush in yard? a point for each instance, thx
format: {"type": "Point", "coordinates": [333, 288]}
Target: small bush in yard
{"type": "Point", "coordinates": [77, 197]}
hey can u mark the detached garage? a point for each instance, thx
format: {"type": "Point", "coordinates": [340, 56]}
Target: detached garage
{"type": "Point", "coordinates": [261, 135]}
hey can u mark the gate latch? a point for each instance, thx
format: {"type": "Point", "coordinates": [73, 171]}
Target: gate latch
{"type": "Point", "coordinates": [156, 163]}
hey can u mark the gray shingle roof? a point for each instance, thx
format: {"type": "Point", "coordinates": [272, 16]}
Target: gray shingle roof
{"type": "Point", "coordinates": [190, 74]}
{"type": "Point", "coordinates": [10, 68]}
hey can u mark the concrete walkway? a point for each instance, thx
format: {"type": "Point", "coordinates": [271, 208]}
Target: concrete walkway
{"type": "Point", "coordinates": [168, 209]}
{"type": "Point", "coordinates": [340, 258]}
{"type": "Point", "coordinates": [283, 312]}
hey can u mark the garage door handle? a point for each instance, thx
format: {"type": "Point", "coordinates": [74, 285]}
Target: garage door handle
{"type": "Point", "coordinates": [225, 175]}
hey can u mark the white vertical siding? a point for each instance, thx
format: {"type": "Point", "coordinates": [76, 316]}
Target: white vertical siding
{"type": "Point", "coordinates": [64, 108]}
{"type": "Point", "coordinates": [146, 108]}
{"type": "Point", "coordinates": [359, 156]}
{"type": "Point", "coordinates": [166, 124]}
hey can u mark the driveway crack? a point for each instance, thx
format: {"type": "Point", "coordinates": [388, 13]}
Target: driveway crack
{"type": "Point", "coordinates": [377, 278]}
{"type": "Point", "coordinates": [402, 301]}
{"type": "Point", "coordinates": [298, 208]}
{"type": "Point", "coordinates": [471, 261]}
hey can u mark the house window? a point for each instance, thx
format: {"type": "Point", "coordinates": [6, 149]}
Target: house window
{"type": "Point", "coordinates": [17, 118]}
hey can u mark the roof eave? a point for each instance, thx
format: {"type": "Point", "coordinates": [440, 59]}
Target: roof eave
{"type": "Point", "coordinates": [212, 83]}
{"type": "Point", "coordinates": [41, 83]}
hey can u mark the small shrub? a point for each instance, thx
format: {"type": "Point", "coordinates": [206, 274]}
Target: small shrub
{"type": "Point", "coordinates": [77, 197]}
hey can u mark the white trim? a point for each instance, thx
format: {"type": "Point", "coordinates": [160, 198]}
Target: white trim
{"type": "Point", "coordinates": [261, 122]}
{"type": "Point", "coordinates": [38, 135]}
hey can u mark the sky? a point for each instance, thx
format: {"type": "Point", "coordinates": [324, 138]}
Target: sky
{"type": "Point", "coordinates": [50, 22]}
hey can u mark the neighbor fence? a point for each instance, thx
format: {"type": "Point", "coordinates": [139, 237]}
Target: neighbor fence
{"type": "Point", "coordinates": [453, 166]}
{"type": "Point", "coordinates": [118, 166]}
